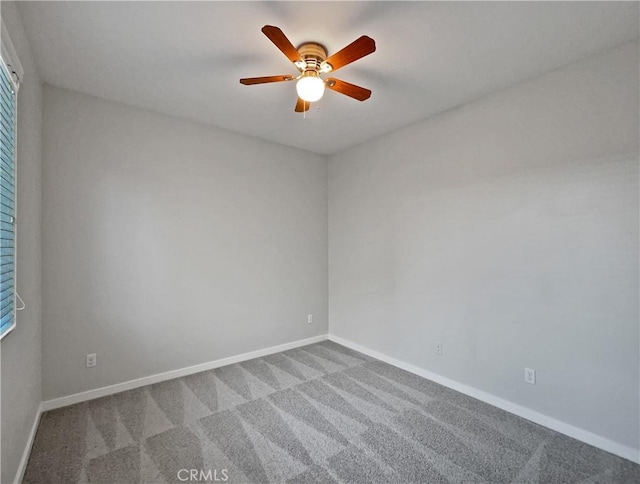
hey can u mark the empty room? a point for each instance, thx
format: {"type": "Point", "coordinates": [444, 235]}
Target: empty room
{"type": "Point", "coordinates": [320, 242]}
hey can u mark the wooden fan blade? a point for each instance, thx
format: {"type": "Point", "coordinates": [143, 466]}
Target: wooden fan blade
{"type": "Point", "coordinates": [280, 40]}
{"type": "Point", "coordinates": [352, 52]}
{"type": "Point", "coordinates": [351, 90]}
{"type": "Point", "coordinates": [262, 80]}
{"type": "Point", "coordinates": [302, 106]}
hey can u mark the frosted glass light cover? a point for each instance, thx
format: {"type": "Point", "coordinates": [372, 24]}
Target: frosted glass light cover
{"type": "Point", "coordinates": [310, 88]}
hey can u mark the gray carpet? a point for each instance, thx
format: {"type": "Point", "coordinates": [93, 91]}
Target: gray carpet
{"type": "Point", "coordinates": [317, 414]}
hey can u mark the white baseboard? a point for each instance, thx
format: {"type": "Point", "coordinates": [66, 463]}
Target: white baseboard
{"type": "Point", "coordinates": [170, 375]}
{"type": "Point", "coordinates": [564, 428]}
{"type": "Point", "coordinates": [22, 466]}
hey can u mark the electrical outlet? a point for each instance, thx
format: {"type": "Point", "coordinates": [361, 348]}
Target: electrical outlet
{"type": "Point", "coordinates": [310, 318]}
{"type": "Point", "coordinates": [530, 376]}
{"type": "Point", "coordinates": [92, 360]}
{"type": "Point", "coordinates": [439, 349]}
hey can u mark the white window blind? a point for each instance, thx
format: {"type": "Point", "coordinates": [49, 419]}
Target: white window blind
{"type": "Point", "coordinates": [7, 199]}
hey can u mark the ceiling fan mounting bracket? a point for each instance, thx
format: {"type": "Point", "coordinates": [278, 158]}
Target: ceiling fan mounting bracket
{"type": "Point", "coordinates": [313, 50]}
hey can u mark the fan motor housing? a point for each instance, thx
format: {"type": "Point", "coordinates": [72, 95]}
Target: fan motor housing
{"type": "Point", "coordinates": [313, 54]}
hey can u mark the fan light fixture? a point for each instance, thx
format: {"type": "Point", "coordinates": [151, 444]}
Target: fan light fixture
{"type": "Point", "coordinates": [311, 60]}
{"type": "Point", "coordinates": [310, 87]}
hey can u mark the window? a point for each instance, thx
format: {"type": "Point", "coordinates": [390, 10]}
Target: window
{"type": "Point", "coordinates": [8, 92]}
{"type": "Point", "coordinates": [7, 200]}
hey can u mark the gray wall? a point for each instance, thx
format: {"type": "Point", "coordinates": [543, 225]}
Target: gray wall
{"type": "Point", "coordinates": [168, 243]}
{"type": "Point", "coordinates": [21, 349]}
{"type": "Point", "coordinates": [506, 229]}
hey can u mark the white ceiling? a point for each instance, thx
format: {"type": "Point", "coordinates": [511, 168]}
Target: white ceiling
{"type": "Point", "coordinates": [185, 58]}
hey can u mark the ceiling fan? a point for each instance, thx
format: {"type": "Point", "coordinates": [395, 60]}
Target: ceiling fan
{"type": "Point", "coordinates": [311, 60]}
